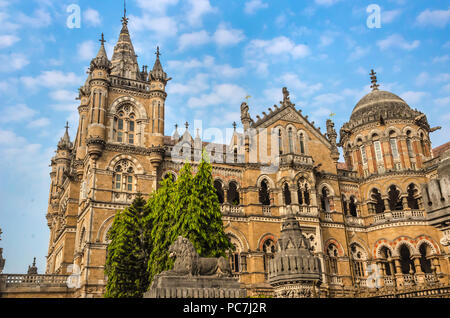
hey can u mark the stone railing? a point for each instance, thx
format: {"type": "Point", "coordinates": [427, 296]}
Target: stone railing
{"type": "Point", "coordinates": [17, 280]}
{"type": "Point", "coordinates": [391, 216]}
{"type": "Point", "coordinates": [295, 159]}
{"type": "Point", "coordinates": [351, 220]}
{"type": "Point", "coordinates": [335, 280]}
{"type": "Point", "coordinates": [266, 210]}
{"type": "Point", "coordinates": [123, 197]}
{"type": "Point", "coordinates": [328, 216]}
{"type": "Point", "coordinates": [409, 280]}
{"type": "Point", "coordinates": [388, 281]}
{"type": "Point", "coordinates": [431, 279]}
{"type": "Point", "coordinates": [308, 210]}
{"type": "Point", "coordinates": [231, 209]}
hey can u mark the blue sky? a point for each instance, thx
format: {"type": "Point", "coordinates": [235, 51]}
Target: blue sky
{"type": "Point", "coordinates": [217, 52]}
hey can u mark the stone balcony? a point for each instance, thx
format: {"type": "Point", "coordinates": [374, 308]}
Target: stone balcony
{"type": "Point", "coordinates": [36, 286]}
{"type": "Point", "coordinates": [291, 158]}
{"type": "Point", "coordinates": [300, 210]}
{"type": "Point", "coordinates": [404, 215]}
{"type": "Point", "coordinates": [228, 209]}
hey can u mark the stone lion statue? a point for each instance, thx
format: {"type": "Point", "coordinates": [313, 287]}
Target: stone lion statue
{"type": "Point", "coordinates": [189, 263]}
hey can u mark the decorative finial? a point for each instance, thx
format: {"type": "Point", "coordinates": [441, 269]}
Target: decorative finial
{"type": "Point", "coordinates": [187, 125]}
{"type": "Point", "coordinates": [176, 126]}
{"type": "Point", "coordinates": [125, 19]}
{"type": "Point", "coordinates": [67, 125]}
{"type": "Point", "coordinates": [102, 39]}
{"type": "Point", "coordinates": [157, 52]}
{"type": "Point", "coordinates": [34, 261]}
{"type": "Point", "coordinates": [234, 126]}
{"type": "Point", "coordinates": [373, 77]}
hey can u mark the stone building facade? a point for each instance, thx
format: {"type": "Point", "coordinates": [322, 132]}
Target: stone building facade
{"type": "Point", "coordinates": [365, 219]}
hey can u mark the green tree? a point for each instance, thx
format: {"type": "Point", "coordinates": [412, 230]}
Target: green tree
{"type": "Point", "coordinates": [128, 251]}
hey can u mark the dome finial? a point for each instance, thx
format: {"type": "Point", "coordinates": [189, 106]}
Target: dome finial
{"type": "Point", "coordinates": [125, 19]}
{"type": "Point", "coordinates": [373, 77]}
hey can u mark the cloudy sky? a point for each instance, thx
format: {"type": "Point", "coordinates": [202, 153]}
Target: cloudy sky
{"type": "Point", "coordinates": [217, 52]}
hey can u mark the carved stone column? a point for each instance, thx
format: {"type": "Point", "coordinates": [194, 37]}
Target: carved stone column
{"type": "Point", "coordinates": [419, 273]}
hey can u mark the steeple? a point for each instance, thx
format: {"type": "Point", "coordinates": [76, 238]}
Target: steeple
{"type": "Point", "coordinates": [101, 61]}
{"type": "Point", "coordinates": [64, 142]}
{"type": "Point", "coordinates": [157, 73]}
{"type": "Point", "coordinates": [124, 60]}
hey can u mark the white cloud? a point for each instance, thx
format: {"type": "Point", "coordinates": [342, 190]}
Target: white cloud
{"type": "Point", "coordinates": [326, 40]}
{"type": "Point", "coordinates": [413, 98]}
{"type": "Point", "coordinates": [326, 3]}
{"type": "Point", "coordinates": [158, 6]}
{"type": "Point", "coordinates": [63, 95]}
{"type": "Point", "coordinates": [389, 16]}
{"type": "Point", "coordinates": [441, 59]}
{"type": "Point", "coordinates": [39, 123]}
{"type": "Point", "coordinates": [40, 19]}
{"type": "Point", "coordinates": [86, 50]}
{"type": "Point", "coordinates": [277, 46]}
{"type": "Point", "coordinates": [92, 17]}
{"type": "Point", "coordinates": [162, 26]}
{"type": "Point", "coordinates": [425, 78]}
{"type": "Point", "coordinates": [198, 8]}
{"type": "Point", "coordinates": [358, 53]}
{"type": "Point", "coordinates": [208, 63]}
{"type": "Point", "coordinates": [227, 36]}
{"type": "Point", "coordinates": [16, 113]}
{"type": "Point", "coordinates": [195, 85]}
{"type": "Point", "coordinates": [52, 79]}
{"type": "Point", "coordinates": [193, 39]}
{"type": "Point", "coordinates": [397, 41]}
{"type": "Point", "coordinates": [443, 102]}
{"type": "Point", "coordinates": [225, 94]}
{"type": "Point", "coordinates": [254, 5]}
{"type": "Point", "coordinates": [13, 62]}
{"type": "Point", "coordinates": [8, 40]}
{"type": "Point", "coordinates": [437, 18]}
{"type": "Point", "coordinates": [291, 80]}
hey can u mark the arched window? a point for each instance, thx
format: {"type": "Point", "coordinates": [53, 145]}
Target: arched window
{"type": "Point", "coordinates": [300, 193]}
{"type": "Point", "coordinates": [233, 194]}
{"type": "Point", "coordinates": [269, 251]}
{"type": "Point", "coordinates": [280, 142]}
{"type": "Point", "coordinates": [291, 142]}
{"type": "Point", "coordinates": [425, 263]}
{"type": "Point", "coordinates": [378, 205]}
{"type": "Point", "coordinates": [123, 179]}
{"type": "Point", "coordinates": [286, 194]}
{"type": "Point", "coordinates": [388, 263]}
{"type": "Point", "coordinates": [324, 199]}
{"type": "Point", "coordinates": [352, 206]}
{"type": "Point", "coordinates": [358, 259]}
{"type": "Point", "coordinates": [395, 203]}
{"type": "Point", "coordinates": [332, 253]}
{"type": "Point", "coordinates": [306, 194]}
{"type": "Point", "coordinates": [302, 143]}
{"type": "Point", "coordinates": [393, 144]}
{"type": "Point", "coordinates": [219, 191]}
{"type": "Point", "coordinates": [422, 144]}
{"type": "Point", "coordinates": [406, 263]}
{"type": "Point", "coordinates": [413, 202]}
{"type": "Point", "coordinates": [124, 125]}
{"type": "Point", "coordinates": [235, 257]}
{"type": "Point", "coordinates": [264, 197]}
{"type": "Point", "coordinates": [344, 204]}
{"type": "Point", "coordinates": [409, 144]}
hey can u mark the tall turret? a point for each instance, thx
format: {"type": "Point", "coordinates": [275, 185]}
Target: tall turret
{"type": "Point", "coordinates": [100, 70]}
{"type": "Point", "coordinates": [158, 80]}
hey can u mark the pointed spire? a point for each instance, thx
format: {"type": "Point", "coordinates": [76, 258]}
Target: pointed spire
{"type": "Point", "coordinates": [64, 142]}
{"type": "Point", "coordinates": [373, 77]}
{"type": "Point", "coordinates": [176, 135]}
{"type": "Point", "coordinates": [101, 61]}
{"type": "Point", "coordinates": [157, 73]}
{"type": "Point", "coordinates": [124, 59]}
{"type": "Point", "coordinates": [124, 19]}
{"type": "Point", "coordinates": [32, 270]}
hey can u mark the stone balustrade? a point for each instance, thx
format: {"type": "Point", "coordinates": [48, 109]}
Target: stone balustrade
{"type": "Point", "coordinates": [17, 280]}
{"type": "Point", "coordinates": [401, 215]}
{"type": "Point", "coordinates": [231, 209]}
{"type": "Point", "coordinates": [266, 210]}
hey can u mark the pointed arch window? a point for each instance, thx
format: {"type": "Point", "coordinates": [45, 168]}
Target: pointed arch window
{"type": "Point", "coordinates": [269, 251]}
{"type": "Point", "coordinates": [344, 204]}
{"type": "Point", "coordinates": [306, 194]}
{"type": "Point", "coordinates": [425, 262]}
{"type": "Point", "coordinates": [280, 142]}
{"type": "Point", "coordinates": [378, 204]}
{"type": "Point", "coordinates": [358, 259]}
{"type": "Point", "coordinates": [325, 200]}
{"type": "Point", "coordinates": [123, 178]}
{"type": "Point", "coordinates": [264, 197]}
{"type": "Point", "coordinates": [219, 191]}
{"type": "Point", "coordinates": [406, 263]}
{"type": "Point", "coordinates": [233, 194]}
{"type": "Point", "coordinates": [287, 194]}
{"type": "Point", "coordinates": [352, 206]}
{"type": "Point", "coordinates": [291, 142]}
{"type": "Point", "coordinates": [389, 265]}
{"type": "Point", "coordinates": [124, 125]}
{"type": "Point", "coordinates": [395, 202]}
{"type": "Point", "coordinates": [302, 143]}
{"type": "Point", "coordinates": [413, 202]}
{"type": "Point", "coordinates": [332, 253]}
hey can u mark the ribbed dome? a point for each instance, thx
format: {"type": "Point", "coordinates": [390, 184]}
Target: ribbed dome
{"type": "Point", "coordinates": [381, 103]}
